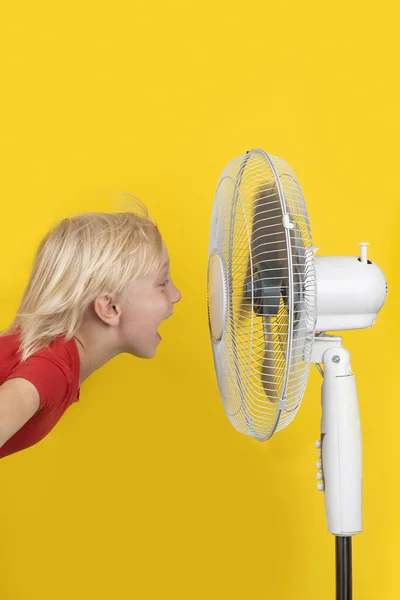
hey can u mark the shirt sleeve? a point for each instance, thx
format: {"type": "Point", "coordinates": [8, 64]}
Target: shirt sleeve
{"type": "Point", "coordinates": [46, 375]}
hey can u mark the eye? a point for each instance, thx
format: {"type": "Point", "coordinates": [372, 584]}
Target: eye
{"type": "Point", "coordinates": [165, 283]}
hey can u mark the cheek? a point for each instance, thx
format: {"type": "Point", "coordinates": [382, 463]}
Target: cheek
{"type": "Point", "coordinates": [149, 313]}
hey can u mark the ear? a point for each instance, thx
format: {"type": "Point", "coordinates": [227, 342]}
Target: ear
{"type": "Point", "coordinates": [107, 310]}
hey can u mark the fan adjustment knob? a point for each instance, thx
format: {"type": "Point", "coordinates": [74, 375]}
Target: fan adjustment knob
{"type": "Point", "coordinates": [319, 465]}
{"type": "Point", "coordinates": [320, 476]}
{"type": "Point", "coordinates": [364, 252]}
{"type": "Point", "coordinates": [320, 486]}
{"type": "Point", "coordinates": [318, 444]}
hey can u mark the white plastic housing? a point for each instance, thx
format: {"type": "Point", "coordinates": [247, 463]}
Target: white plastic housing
{"type": "Point", "coordinates": [218, 296]}
{"type": "Point", "coordinates": [341, 445]}
{"type": "Point", "coordinates": [350, 292]}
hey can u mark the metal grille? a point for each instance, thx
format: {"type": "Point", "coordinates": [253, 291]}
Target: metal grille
{"type": "Point", "coordinates": [262, 360]}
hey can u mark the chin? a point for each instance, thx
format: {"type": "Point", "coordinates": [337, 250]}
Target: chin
{"type": "Point", "coordinates": [146, 349]}
{"type": "Point", "coordinates": [148, 353]}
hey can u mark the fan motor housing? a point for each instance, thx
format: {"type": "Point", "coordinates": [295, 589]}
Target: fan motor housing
{"type": "Point", "coordinates": [350, 292]}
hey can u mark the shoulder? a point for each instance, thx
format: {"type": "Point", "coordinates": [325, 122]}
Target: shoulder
{"type": "Point", "coordinates": [63, 352]}
{"type": "Point", "coordinates": [54, 371]}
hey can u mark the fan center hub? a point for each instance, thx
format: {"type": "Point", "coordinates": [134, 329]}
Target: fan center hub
{"type": "Point", "coordinates": [218, 299]}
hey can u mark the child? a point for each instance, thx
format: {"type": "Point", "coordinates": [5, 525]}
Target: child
{"type": "Point", "coordinates": [100, 286]}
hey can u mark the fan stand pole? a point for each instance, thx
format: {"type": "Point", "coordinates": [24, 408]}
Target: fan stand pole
{"type": "Point", "coordinates": [340, 464]}
{"type": "Point", "coordinates": [344, 587]}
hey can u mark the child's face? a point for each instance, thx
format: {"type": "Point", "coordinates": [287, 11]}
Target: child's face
{"type": "Point", "coordinates": [148, 302]}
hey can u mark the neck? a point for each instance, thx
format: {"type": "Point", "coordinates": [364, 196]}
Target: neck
{"type": "Point", "coordinates": [94, 351]}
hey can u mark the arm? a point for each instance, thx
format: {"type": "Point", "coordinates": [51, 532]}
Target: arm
{"type": "Point", "coordinates": [19, 401]}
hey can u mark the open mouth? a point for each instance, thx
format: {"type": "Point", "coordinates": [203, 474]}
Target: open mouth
{"type": "Point", "coordinates": [159, 338]}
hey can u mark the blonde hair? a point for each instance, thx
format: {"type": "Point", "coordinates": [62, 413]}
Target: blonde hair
{"type": "Point", "coordinates": [78, 259]}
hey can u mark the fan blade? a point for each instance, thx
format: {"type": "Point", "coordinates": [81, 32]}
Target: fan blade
{"type": "Point", "coordinates": [268, 368]}
{"type": "Point", "coordinates": [267, 253]}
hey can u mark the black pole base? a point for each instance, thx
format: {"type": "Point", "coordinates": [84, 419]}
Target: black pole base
{"type": "Point", "coordinates": [344, 582]}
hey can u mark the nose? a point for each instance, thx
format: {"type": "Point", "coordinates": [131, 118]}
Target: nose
{"type": "Point", "coordinates": [176, 295]}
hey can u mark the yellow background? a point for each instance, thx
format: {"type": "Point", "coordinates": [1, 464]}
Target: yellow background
{"type": "Point", "coordinates": [144, 490]}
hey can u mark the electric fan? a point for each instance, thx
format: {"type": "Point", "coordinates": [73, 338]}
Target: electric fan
{"type": "Point", "coordinates": [270, 303]}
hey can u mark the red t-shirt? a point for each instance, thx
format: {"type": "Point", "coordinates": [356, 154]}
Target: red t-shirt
{"type": "Point", "coordinates": [54, 372]}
